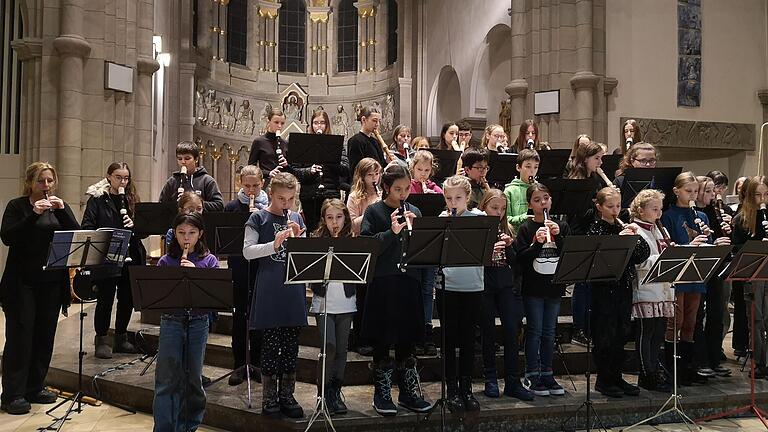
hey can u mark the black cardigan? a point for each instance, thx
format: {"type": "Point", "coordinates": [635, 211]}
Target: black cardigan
{"type": "Point", "coordinates": [100, 212]}
{"type": "Point", "coordinates": [28, 237]}
{"type": "Point", "coordinates": [362, 146]}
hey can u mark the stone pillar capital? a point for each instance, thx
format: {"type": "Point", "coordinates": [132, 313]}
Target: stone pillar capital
{"type": "Point", "coordinates": [763, 95]}
{"type": "Point", "coordinates": [28, 48]}
{"type": "Point", "coordinates": [269, 8]}
{"type": "Point", "coordinates": [147, 65]}
{"type": "Point", "coordinates": [609, 85]}
{"type": "Point", "coordinates": [584, 80]}
{"type": "Point", "coordinates": [366, 8]}
{"type": "Point", "coordinates": [318, 13]}
{"type": "Point", "coordinates": [72, 45]}
{"type": "Point", "coordinates": [517, 88]}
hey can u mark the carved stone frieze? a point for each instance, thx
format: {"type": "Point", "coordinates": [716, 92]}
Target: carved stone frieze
{"type": "Point", "coordinates": [696, 134]}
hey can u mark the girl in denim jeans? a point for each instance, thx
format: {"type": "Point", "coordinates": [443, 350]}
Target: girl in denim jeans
{"type": "Point", "coordinates": [179, 403]}
{"type": "Point", "coordinates": [538, 246]}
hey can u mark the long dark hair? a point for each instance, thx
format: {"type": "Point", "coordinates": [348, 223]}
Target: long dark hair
{"type": "Point", "coordinates": [521, 141]}
{"type": "Point", "coordinates": [196, 220]}
{"type": "Point", "coordinates": [130, 189]}
{"type": "Point", "coordinates": [445, 145]}
{"type": "Point", "coordinates": [324, 115]}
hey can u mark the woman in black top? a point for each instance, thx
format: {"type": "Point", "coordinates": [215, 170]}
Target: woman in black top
{"type": "Point", "coordinates": [322, 182]}
{"type": "Point", "coordinates": [31, 297]}
{"type": "Point", "coordinates": [109, 208]}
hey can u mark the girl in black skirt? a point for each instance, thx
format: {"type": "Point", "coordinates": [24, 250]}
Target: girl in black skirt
{"type": "Point", "coordinates": [393, 293]}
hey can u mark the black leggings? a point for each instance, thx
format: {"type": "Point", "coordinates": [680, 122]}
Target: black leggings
{"type": "Point", "coordinates": [106, 298]}
{"type": "Point", "coordinates": [648, 340]}
{"type": "Point", "coordinates": [462, 315]}
{"type": "Point", "coordinates": [403, 351]}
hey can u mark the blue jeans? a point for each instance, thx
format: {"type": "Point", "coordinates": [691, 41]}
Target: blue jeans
{"type": "Point", "coordinates": [428, 277]}
{"type": "Point", "coordinates": [541, 318]}
{"type": "Point", "coordinates": [177, 399]}
{"type": "Point", "coordinates": [509, 306]}
{"type": "Point", "coordinates": [580, 302]}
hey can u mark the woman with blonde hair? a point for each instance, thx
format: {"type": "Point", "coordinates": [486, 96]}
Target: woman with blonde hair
{"type": "Point", "coordinates": [32, 298]}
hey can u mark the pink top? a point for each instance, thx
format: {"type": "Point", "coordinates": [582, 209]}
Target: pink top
{"type": "Point", "coordinates": [357, 210]}
{"type": "Point", "coordinates": [416, 187]}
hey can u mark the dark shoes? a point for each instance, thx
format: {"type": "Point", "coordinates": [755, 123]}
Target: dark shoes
{"type": "Point", "coordinates": [580, 338]}
{"type": "Point", "coordinates": [103, 350]}
{"type": "Point", "coordinates": [17, 406]}
{"type": "Point", "coordinates": [42, 397]}
{"type": "Point", "coordinates": [514, 388]}
{"type": "Point", "coordinates": [121, 345]}
{"type": "Point", "coordinates": [288, 404]}
{"type": "Point", "coordinates": [608, 389]}
{"type": "Point", "coordinates": [364, 350]}
{"type": "Point", "coordinates": [238, 376]}
{"type": "Point", "coordinates": [382, 389]}
{"type": "Point", "coordinates": [627, 388]}
{"type": "Point", "coordinates": [408, 383]}
{"type": "Point", "coordinates": [465, 388]}
{"type": "Point", "coordinates": [269, 401]}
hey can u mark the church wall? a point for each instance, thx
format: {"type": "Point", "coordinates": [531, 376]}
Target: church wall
{"type": "Point", "coordinates": [456, 36]}
{"type": "Point", "coordinates": [733, 70]}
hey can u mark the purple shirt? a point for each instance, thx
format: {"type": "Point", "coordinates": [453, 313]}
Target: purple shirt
{"type": "Point", "coordinates": [207, 261]}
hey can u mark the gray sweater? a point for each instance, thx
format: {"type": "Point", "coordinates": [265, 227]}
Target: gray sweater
{"type": "Point", "coordinates": [464, 279]}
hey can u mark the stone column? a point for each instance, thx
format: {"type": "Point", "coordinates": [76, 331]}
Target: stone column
{"type": "Point", "coordinates": [517, 89]}
{"type": "Point", "coordinates": [584, 81]}
{"type": "Point", "coordinates": [366, 32]}
{"type": "Point", "coordinates": [145, 67]}
{"type": "Point", "coordinates": [268, 12]}
{"type": "Point", "coordinates": [255, 35]}
{"type": "Point", "coordinates": [30, 51]}
{"type": "Point", "coordinates": [318, 40]}
{"type": "Point", "coordinates": [405, 47]}
{"type": "Point", "coordinates": [72, 49]}
{"type": "Point", "coordinates": [205, 28]}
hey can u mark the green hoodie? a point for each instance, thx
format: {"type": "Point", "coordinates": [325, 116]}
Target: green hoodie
{"type": "Point", "coordinates": [517, 204]}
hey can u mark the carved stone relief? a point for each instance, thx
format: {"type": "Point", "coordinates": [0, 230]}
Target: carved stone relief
{"type": "Point", "coordinates": [696, 134]}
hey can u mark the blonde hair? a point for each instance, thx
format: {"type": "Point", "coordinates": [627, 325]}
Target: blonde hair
{"type": "Point", "coordinates": [490, 195]}
{"type": "Point", "coordinates": [283, 180]}
{"type": "Point", "coordinates": [458, 182]}
{"type": "Point", "coordinates": [488, 131]}
{"type": "Point", "coordinates": [423, 156]}
{"type": "Point", "coordinates": [607, 193]}
{"type": "Point", "coordinates": [366, 165]}
{"type": "Point", "coordinates": [251, 170]}
{"type": "Point", "coordinates": [418, 141]}
{"type": "Point", "coordinates": [32, 173]}
{"type": "Point", "coordinates": [642, 199]}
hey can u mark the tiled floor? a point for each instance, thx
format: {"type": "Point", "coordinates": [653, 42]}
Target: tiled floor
{"type": "Point", "coordinates": [109, 418]}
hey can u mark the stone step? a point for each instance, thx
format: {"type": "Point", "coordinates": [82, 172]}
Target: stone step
{"type": "Point", "coordinates": [572, 358]}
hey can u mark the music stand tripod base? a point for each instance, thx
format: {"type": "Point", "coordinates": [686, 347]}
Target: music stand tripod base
{"type": "Point", "coordinates": [682, 265]}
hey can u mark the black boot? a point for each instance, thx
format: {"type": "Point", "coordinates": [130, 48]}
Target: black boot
{"type": "Point", "coordinates": [454, 402]}
{"type": "Point", "coordinates": [410, 389]}
{"type": "Point", "coordinates": [330, 402]}
{"type": "Point", "coordinates": [689, 370]}
{"type": "Point", "coordinates": [288, 404]}
{"type": "Point", "coordinates": [429, 341]}
{"type": "Point", "coordinates": [465, 387]}
{"type": "Point", "coordinates": [382, 389]}
{"type": "Point", "coordinates": [121, 345]}
{"type": "Point", "coordinates": [340, 406]}
{"type": "Point", "coordinates": [103, 350]}
{"type": "Point", "coordinates": [269, 400]}
{"type": "Point", "coordinates": [669, 364]}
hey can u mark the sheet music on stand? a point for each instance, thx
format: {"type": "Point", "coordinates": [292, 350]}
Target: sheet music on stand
{"type": "Point", "coordinates": [88, 248]}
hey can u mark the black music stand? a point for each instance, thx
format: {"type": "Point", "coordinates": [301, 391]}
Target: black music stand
{"type": "Point", "coordinates": [168, 289]}
{"type": "Point", "coordinates": [680, 265]}
{"type": "Point", "coordinates": [502, 168]}
{"type": "Point", "coordinates": [449, 242]}
{"type": "Point", "coordinates": [553, 163]}
{"type": "Point", "coordinates": [226, 231]}
{"type": "Point", "coordinates": [749, 265]}
{"type": "Point", "coordinates": [325, 260]}
{"type": "Point", "coordinates": [586, 259]}
{"type": "Point", "coordinates": [153, 218]}
{"type": "Point", "coordinates": [611, 164]}
{"type": "Point", "coordinates": [446, 163]}
{"type": "Point", "coordinates": [637, 179]}
{"type": "Point", "coordinates": [570, 197]}
{"type": "Point", "coordinates": [82, 249]}
{"type": "Point", "coordinates": [430, 204]}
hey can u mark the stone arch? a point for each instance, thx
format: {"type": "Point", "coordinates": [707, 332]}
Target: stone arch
{"type": "Point", "coordinates": [444, 100]}
{"type": "Point", "coordinates": [491, 73]}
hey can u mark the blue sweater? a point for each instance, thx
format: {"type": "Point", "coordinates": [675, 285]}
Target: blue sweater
{"type": "Point", "coordinates": [679, 221]}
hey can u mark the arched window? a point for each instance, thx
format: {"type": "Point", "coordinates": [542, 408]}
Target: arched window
{"type": "Point", "coordinates": [391, 32]}
{"type": "Point", "coordinates": [237, 31]}
{"type": "Point", "coordinates": [347, 37]}
{"type": "Point", "coordinates": [293, 37]}
{"type": "Point", "coordinates": [10, 78]}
